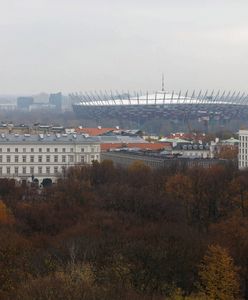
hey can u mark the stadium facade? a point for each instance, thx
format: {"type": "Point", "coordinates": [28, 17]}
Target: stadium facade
{"type": "Point", "coordinates": [219, 106]}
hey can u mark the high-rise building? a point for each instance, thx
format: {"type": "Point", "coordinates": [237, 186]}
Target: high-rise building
{"type": "Point", "coordinates": [243, 149]}
{"type": "Point", "coordinates": [24, 102]}
{"type": "Point", "coordinates": [56, 99]}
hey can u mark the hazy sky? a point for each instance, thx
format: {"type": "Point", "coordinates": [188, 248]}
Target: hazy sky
{"type": "Point", "coordinates": [80, 45]}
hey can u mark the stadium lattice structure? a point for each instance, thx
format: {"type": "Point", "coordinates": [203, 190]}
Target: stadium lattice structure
{"type": "Point", "coordinates": [143, 106]}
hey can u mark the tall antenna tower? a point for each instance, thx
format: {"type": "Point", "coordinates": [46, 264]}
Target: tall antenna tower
{"type": "Point", "coordinates": [163, 82]}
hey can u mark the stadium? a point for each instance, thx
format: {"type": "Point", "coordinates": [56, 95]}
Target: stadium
{"type": "Point", "coordinates": [220, 107]}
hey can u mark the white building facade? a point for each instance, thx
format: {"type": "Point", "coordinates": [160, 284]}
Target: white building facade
{"type": "Point", "coordinates": [28, 157]}
{"type": "Point", "coordinates": [243, 149]}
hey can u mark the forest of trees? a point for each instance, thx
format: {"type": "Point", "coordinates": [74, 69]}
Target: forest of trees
{"type": "Point", "coordinates": [106, 233]}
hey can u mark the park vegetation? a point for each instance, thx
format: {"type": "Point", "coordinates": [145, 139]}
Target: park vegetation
{"type": "Point", "coordinates": [106, 233]}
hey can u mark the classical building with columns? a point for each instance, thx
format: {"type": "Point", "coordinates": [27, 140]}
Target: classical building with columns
{"type": "Point", "coordinates": [28, 157]}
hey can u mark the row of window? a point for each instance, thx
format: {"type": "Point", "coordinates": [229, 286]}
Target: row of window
{"type": "Point", "coordinates": [24, 150]}
{"type": "Point", "coordinates": [30, 170]}
{"type": "Point", "coordinates": [243, 151]}
{"type": "Point", "coordinates": [243, 144]}
{"type": "Point", "coordinates": [243, 164]}
{"type": "Point", "coordinates": [39, 158]}
{"type": "Point", "coordinates": [47, 158]}
{"type": "Point", "coordinates": [242, 157]}
{"type": "Point", "coordinates": [243, 138]}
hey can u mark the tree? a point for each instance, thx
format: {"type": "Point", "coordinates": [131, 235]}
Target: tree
{"type": "Point", "coordinates": [228, 152]}
{"type": "Point", "coordinates": [5, 214]}
{"type": "Point", "coordinates": [47, 182]}
{"type": "Point", "coordinates": [179, 187]}
{"type": "Point", "coordinates": [239, 192]}
{"type": "Point", "coordinates": [218, 275]}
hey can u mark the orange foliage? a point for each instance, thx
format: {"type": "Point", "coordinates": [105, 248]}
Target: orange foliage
{"type": "Point", "coordinates": [228, 152]}
{"type": "Point", "coordinates": [5, 215]}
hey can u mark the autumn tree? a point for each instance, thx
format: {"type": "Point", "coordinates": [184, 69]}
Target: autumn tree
{"type": "Point", "coordinates": [139, 174]}
{"type": "Point", "coordinates": [239, 192]}
{"type": "Point", "coordinates": [5, 215]}
{"type": "Point", "coordinates": [179, 187]}
{"type": "Point", "coordinates": [218, 275]}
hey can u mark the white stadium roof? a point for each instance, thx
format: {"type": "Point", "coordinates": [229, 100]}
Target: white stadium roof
{"type": "Point", "coordinates": [159, 98]}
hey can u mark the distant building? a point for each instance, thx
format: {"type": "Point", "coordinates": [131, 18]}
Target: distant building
{"type": "Point", "coordinates": [25, 157]}
{"type": "Point", "coordinates": [230, 142]}
{"type": "Point", "coordinates": [56, 99]}
{"type": "Point", "coordinates": [156, 161]}
{"type": "Point", "coordinates": [95, 131]}
{"type": "Point", "coordinates": [8, 106]}
{"type": "Point", "coordinates": [24, 102]}
{"type": "Point", "coordinates": [243, 148]}
{"type": "Point", "coordinates": [194, 150]}
{"type": "Point", "coordinates": [42, 107]}
{"type": "Point", "coordinates": [141, 146]}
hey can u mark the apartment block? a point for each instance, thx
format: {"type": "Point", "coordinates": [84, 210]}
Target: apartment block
{"type": "Point", "coordinates": [243, 148]}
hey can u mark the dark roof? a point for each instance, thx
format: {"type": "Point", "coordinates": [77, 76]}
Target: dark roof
{"type": "Point", "coordinates": [192, 147]}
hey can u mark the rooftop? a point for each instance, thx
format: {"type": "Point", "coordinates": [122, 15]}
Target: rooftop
{"type": "Point", "coordinates": [46, 138]}
{"type": "Point", "coordinates": [138, 146]}
{"type": "Point", "coordinates": [94, 131]}
{"type": "Point", "coordinates": [192, 147]}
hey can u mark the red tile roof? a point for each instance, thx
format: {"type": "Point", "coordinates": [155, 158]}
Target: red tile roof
{"type": "Point", "coordinates": [94, 131]}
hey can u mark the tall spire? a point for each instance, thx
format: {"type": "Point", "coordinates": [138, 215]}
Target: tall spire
{"type": "Point", "coordinates": [163, 82]}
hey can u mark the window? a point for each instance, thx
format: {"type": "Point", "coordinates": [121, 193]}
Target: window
{"type": "Point", "coordinates": [16, 149]}
{"type": "Point", "coordinates": [1, 158]}
{"type": "Point", "coordinates": [24, 158]}
{"type": "Point", "coordinates": [63, 150]}
{"type": "Point", "coordinates": [40, 170]}
{"type": "Point", "coordinates": [71, 150]}
{"type": "Point", "coordinates": [82, 149]}
{"type": "Point", "coordinates": [8, 170]}
{"type": "Point", "coordinates": [31, 158]}
{"type": "Point", "coordinates": [32, 170]}
{"type": "Point", "coordinates": [92, 149]}
{"type": "Point", "coordinates": [32, 149]}
{"type": "Point", "coordinates": [16, 159]}
{"type": "Point", "coordinates": [39, 158]}
{"type": "Point", "coordinates": [8, 149]}
{"type": "Point", "coordinates": [0, 149]}
{"type": "Point", "coordinates": [55, 170]}
{"type": "Point", "coordinates": [8, 158]}
{"type": "Point", "coordinates": [24, 150]}
{"type": "Point", "coordinates": [24, 170]}
{"type": "Point", "coordinates": [16, 170]}
{"type": "Point", "coordinates": [82, 159]}
{"type": "Point", "coordinates": [48, 170]}
{"type": "Point", "coordinates": [92, 157]}
{"type": "Point", "coordinates": [40, 149]}
{"type": "Point", "coordinates": [1, 170]}
{"type": "Point", "coordinates": [55, 149]}
{"type": "Point", "coordinates": [48, 149]}
{"type": "Point", "coordinates": [63, 158]}
{"type": "Point", "coordinates": [56, 158]}
{"type": "Point", "coordinates": [71, 158]}
{"type": "Point", "coordinates": [48, 158]}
